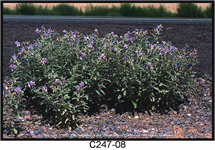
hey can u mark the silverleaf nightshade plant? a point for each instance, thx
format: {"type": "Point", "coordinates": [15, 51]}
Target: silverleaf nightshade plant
{"type": "Point", "coordinates": [65, 73]}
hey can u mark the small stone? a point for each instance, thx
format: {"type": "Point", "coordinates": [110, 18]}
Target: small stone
{"type": "Point", "coordinates": [151, 123]}
{"type": "Point", "coordinates": [32, 133]}
{"type": "Point", "coordinates": [27, 117]}
{"type": "Point", "coordinates": [20, 135]}
{"type": "Point", "coordinates": [37, 131]}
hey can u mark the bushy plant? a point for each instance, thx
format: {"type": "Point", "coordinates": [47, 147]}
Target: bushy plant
{"type": "Point", "coordinates": [189, 10]}
{"type": "Point", "coordinates": [45, 11]}
{"type": "Point", "coordinates": [91, 10]}
{"type": "Point", "coordinates": [126, 9]}
{"type": "Point", "coordinates": [208, 11]}
{"type": "Point", "coordinates": [67, 10]}
{"type": "Point", "coordinates": [25, 9]}
{"type": "Point", "coordinates": [64, 73]}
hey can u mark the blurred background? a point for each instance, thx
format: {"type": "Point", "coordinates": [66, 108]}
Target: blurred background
{"type": "Point", "coordinates": [167, 10]}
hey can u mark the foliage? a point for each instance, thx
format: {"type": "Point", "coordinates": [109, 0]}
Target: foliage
{"type": "Point", "coordinates": [45, 11]}
{"type": "Point", "coordinates": [208, 11]}
{"type": "Point", "coordinates": [62, 74]}
{"type": "Point", "coordinates": [67, 10]}
{"type": "Point", "coordinates": [189, 10]}
{"type": "Point", "coordinates": [25, 9]}
{"type": "Point", "coordinates": [184, 10]}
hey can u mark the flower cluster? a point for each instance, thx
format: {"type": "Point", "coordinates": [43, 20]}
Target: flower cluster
{"type": "Point", "coordinates": [80, 86]}
{"type": "Point", "coordinates": [43, 61]}
{"type": "Point", "coordinates": [96, 32]}
{"type": "Point", "coordinates": [31, 83]}
{"type": "Point", "coordinates": [45, 33]}
{"type": "Point", "coordinates": [17, 90]}
{"type": "Point", "coordinates": [102, 56]}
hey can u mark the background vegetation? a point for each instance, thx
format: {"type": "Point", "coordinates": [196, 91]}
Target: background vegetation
{"type": "Point", "coordinates": [184, 10]}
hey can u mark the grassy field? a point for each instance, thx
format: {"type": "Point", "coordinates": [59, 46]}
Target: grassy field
{"type": "Point", "coordinates": [169, 10]}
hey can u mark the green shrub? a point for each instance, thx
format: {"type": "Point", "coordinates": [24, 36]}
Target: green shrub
{"type": "Point", "coordinates": [25, 9]}
{"type": "Point", "coordinates": [208, 11]}
{"type": "Point", "coordinates": [6, 11]}
{"type": "Point", "coordinates": [45, 11]}
{"type": "Point", "coordinates": [126, 9]}
{"type": "Point", "coordinates": [64, 73]}
{"type": "Point", "coordinates": [67, 10]}
{"type": "Point", "coordinates": [189, 10]}
{"type": "Point", "coordinates": [91, 10]}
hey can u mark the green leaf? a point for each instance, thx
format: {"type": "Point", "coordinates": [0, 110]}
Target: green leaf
{"type": "Point", "coordinates": [102, 91]}
{"type": "Point", "coordinates": [163, 85]}
{"type": "Point", "coordinates": [15, 131]}
{"type": "Point", "coordinates": [119, 96]}
{"type": "Point", "coordinates": [181, 96]}
{"type": "Point", "coordinates": [59, 123]}
{"type": "Point", "coordinates": [157, 89]}
{"type": "Point", "coordinates": [97, 92]}
{"type": "Point", "coordinates": [134, 104]}
{"type": "Point", "coordinates": [124, 92]}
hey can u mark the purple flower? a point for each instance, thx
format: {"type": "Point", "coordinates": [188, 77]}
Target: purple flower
{"type": "Point", "coordinates": [83, 55]}
{"type": "Point", "coordinates": [90, 44]}
{"type": "Point", "coordinates": [23, 43]}
{"type": "Point", "coordinates": [81, 84]}
{"type": "Point", "coordinates": [13, 56]}
{"type": "Point", "coordinates": [31, 46]}
{"type": "Point", "coordinates": [44, 88]}
{"type": "Point", "coordinates": [176, 65]}
{"type": "Point", "coordinates": [163, 42]}
{"type": "Point", "coordinates": [31, 83]}
{"type": "Point", "coordinates": [57, 81]}
{"type": "Point", "coordinates": [149, 64]}
{"type": "Point", "coordinates": [43, 61]}
{"type": "Point", "coordinates": [102, 56]}
{"type": "Point", "coordinates": [167, 51]}
{"type": "Point", "coordinates": [51, 87]}
{"type": "Point", "coordinates": [43, 28]}
{"type": "Point", "coordinates": [50, 31]}
{"type": "Point", "coordinates": [135, 53]}
{"type": "Point", "coordinates": [160, 26]}
{"type": "Point", "coordinates": [126, 46]}
{"type": "Point", "coordinates": [163, 50]}
{"type": "Point", "coordinates": [195, 51]}
{"type": "Point", "coordinates": [189, 66]}
{"type": "Point", "coordinates": [13, 67]}
{"type": "Point", "coordinates": [77, 87]}
{"type": "Point", "coordinates": [173, 48]}
{"type": "Point", "coordinates": [145, 32]}
{"type": "Point", "coordinates": [96, 31]}
{"type": "Point", "coordinates": [125, 59]}
{"type": "Point", "coordinates": [64, 81]}
{"type": "Point", "coordinates": [17, 90]}
{"type": "Point", "coordinates": [37, 30]}
{"type": "Point", "coordinates": [130, 39]}
{"type": "Point", "coordinates": [17, 44]}
{"type": "Point", "coordinates": [22, 51]}
{"type": "Point", "coordinates": [36, 44]}
{"type": "Point", "coordinates": [186, 46]}
{"type": "Point", "coordinates": [152, 46]}
{"type": "Point", "coordinates": [115, 40]}
{"type": "Point", "coordinates": [86, 38]}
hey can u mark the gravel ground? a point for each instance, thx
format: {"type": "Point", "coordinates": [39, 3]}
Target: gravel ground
{"type": "Point", "coordinates": [192, 120]}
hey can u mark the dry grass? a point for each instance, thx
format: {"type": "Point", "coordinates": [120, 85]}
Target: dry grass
{"type": "Point", "coordinates": [169, 6]}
